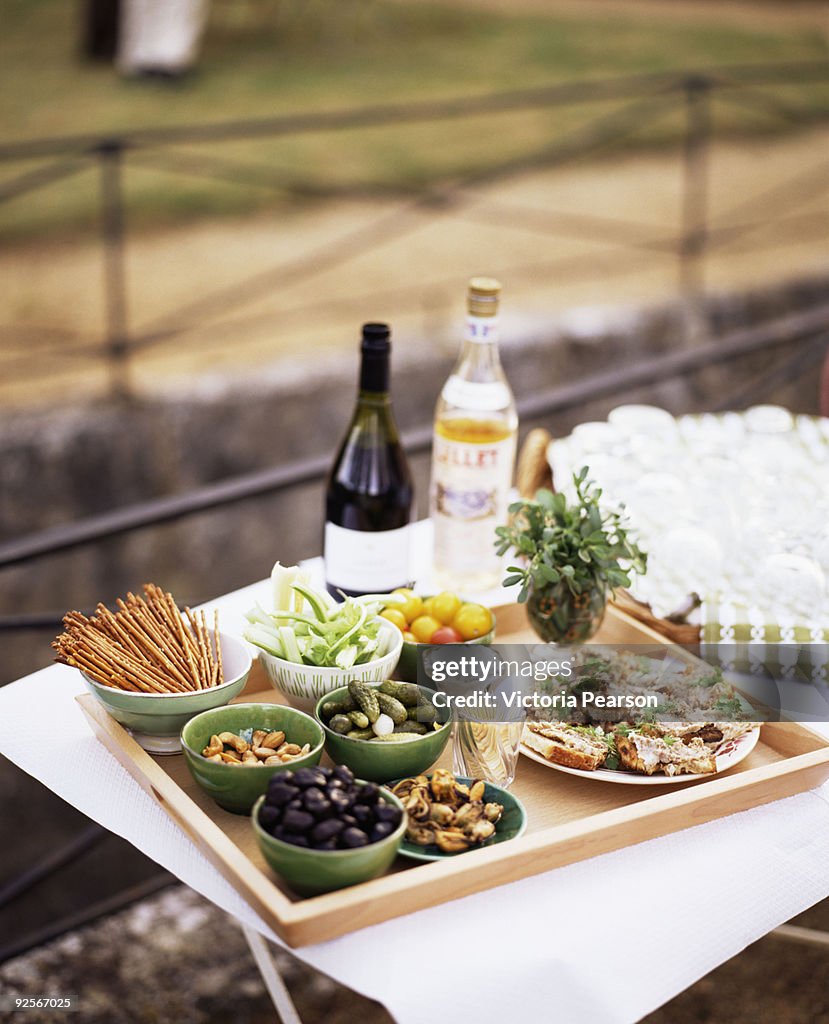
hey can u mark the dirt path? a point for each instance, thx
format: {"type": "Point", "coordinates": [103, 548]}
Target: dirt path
{"type": "Point", "coordinates": [230, 296]}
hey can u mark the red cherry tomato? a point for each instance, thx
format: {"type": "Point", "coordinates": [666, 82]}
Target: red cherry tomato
{"type": "Point", "coordinates": [446, 635]}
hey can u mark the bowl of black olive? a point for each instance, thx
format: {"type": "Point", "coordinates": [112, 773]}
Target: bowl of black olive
{"type": "Point", "coordinates": [321, 829]}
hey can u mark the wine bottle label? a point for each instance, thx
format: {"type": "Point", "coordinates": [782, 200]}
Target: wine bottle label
{"type": "Point", "coordinates": [365, 560]}
{"type": "Point", "coordinates": [470, 494]}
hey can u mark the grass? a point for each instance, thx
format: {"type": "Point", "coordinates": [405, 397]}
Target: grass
{"type": "Point", "coordinates": [261, 58]}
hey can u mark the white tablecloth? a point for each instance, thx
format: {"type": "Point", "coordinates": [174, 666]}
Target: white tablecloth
{"type": "Point", "coordinates": [548, 947]}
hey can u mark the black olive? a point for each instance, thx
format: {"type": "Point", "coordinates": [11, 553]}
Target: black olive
{"type": "Point", "coordinates": [326, 830]}
{"type": "Point", "coordinates": [322, 809]}
{"type": "Point", "coordinates": [328, 844]}
{"type": "Point", "coordinates": [369, 793]}
{"type": "Point", "coordinates": [305, 777]}
{"type": "Point", "coordinates": [295, 839]}
{"type": "Point", "coordinates": [312, 795]}
{"type": "Point", "coordinates": [381, 830]}
{"type": "Point", "coordinates": [269, 815]}
{"type": "Point", "coordinates": [278, 832]}
{"type": "Point", "coordinates": [340, 799]}
{"type": "Point", "coordinates": [294, 805]}
{"type": "Point", "coordinates": [280, 794]}
{"type": "Point", "coordinates": [297, 821]}
{"type": "Point", "coordinates": [335, 783]}
{"type": "Point", "coordinates": [342, 772]}
{"type": "Point", "coordinates": [361, 813]}
{"type": "Point", "coordinates": [348, 820]}
{"type": "Point", "coordinates": [351, 838]}
{"type": "Point", "coordinates": [387, 812]}
{"type": "Point", "coordinates": [286, 776]}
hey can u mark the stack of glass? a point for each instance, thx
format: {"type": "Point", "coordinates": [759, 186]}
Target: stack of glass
{"type": "Point", "coordinates": [731, 507]}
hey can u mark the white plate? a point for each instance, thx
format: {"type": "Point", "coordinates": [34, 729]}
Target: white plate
{"type": "Point", "coordinates": [731, 753]}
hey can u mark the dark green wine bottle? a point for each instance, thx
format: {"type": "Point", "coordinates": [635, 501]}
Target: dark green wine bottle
{"type": "Point", "coordinates": [369, 494]}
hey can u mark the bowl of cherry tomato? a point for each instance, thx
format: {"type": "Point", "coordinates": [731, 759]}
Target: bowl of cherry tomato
{"type": "Point", "coordinates": [443, 618]}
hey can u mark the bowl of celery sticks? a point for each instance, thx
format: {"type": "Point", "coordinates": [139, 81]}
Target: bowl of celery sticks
{"type": "Point", "coordinates": [310, 644]}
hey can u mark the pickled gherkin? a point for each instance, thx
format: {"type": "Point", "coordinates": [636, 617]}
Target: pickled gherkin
{"type": "Point", "coordinates": [338, 707]}
{"type": "Point", "coordinates": [407, 693]}
{"type": "Point", "coordinates": [416, 728]}
{"type": "Point", "coordinates": [424, 712]}
{"type": "Point", "coordinates": [392, 707]}
{"type": "Point", "coordinates": [366, 698]}
{"type": "Point", "coordinates": [359, 720]}
{"type": "Point", "coordinates": [341, 724]}
{"type": "Point", "coordinates": [360, 734]}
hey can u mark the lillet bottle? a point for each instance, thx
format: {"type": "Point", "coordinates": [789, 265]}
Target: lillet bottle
{"type": "Point", "coordinates": [473, 452]}
{"type": "Point", "coordinates": [369, 494]}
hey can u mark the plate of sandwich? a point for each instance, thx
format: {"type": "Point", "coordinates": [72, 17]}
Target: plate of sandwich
{"type": "Point", "coordinates": [652, 753]}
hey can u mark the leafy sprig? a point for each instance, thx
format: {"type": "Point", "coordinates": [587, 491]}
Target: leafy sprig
{"type": "Point", "coordinates": [571, 541]}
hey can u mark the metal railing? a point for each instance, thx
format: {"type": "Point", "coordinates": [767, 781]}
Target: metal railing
{"type": "Point", "coordinates": [645, 99]}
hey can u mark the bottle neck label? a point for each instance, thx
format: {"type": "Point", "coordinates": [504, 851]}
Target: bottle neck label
{"type": "Point", "coordinates": [482, 329]}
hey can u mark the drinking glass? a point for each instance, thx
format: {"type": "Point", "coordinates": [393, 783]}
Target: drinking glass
{"type": "Point", "coordinates": [487, 750]}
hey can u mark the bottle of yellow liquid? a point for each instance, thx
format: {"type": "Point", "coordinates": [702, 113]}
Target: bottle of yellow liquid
{"type": "Point", "coordinates": [473, 452]}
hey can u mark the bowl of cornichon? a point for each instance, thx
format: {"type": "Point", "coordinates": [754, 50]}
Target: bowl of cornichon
{"type": "Point", "coordinates": [383, 731]}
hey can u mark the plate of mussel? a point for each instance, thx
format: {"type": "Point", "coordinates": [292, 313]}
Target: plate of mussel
{"type": "Point", "coordinates": [451, 814]}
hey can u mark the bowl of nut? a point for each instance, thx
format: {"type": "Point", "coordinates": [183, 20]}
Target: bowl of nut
{"type": "Point", "coordinates": [233, 752]}
{"type": "Point", "coordinates": [383, 731]}
{"type": "Point", "coordinates": [321, 829]}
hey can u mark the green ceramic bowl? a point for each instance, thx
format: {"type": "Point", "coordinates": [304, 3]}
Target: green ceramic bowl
{"type": "Point", "coordinates": [311, 872]}
{"type": "Point", "coordinates": [379, 762]}
{"type": "Point", "coordinates": [155, 720]}
{"type": "Point", "coordinates": [511, 825]}
{"type": "Point", "coordinates": [407, 665]}
{"type": "Point", "coordinates": [237, 789]}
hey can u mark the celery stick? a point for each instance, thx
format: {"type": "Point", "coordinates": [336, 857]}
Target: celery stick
{"type": "Point", "coordinates": [289, 644]}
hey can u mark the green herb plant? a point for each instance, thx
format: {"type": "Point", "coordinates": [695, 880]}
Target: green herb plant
{"type": "Point", "coordinates": [571, 542]}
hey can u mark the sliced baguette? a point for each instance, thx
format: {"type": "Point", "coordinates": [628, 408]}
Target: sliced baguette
{"type": "Point", "coordinates": [562, 744]}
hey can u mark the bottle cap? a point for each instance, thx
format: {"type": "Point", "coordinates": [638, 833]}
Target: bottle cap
{"type": "Point", "coordinates": [376, 336]}
{"type": "Point", "coordinates": [375, 348]}
{"type": "Point", "coordinates": [482, 297]}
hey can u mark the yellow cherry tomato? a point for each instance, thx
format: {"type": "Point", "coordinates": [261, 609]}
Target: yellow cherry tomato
{"type": "Point", "coordinates": [413, 606]}
{"type": "Point", "coordinates": [424, 627]}
{"type": "Point", "coordinates": [445, 607]}
{"type": "Point", "coordinates": [409, 637]}
{"type": "Point", "coordinates": [472, 621]}
{"type": "Point", "coordinates": [429, 607]}
{"type": "Point", "coordinates": [396, 616]}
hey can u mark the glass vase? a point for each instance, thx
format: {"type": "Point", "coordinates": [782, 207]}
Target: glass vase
{"type": "Point", "coordinates": [558, 616]}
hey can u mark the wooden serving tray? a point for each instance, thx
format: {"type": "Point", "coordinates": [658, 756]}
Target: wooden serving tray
{"type": "Point", "coordinates": [570, 818]}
